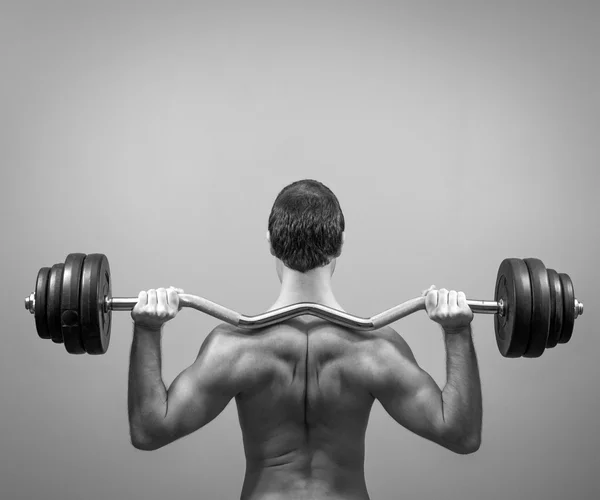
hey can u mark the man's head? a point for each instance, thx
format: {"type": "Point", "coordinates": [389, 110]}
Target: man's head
{"type": "Point", "coordinates": [306, 226]}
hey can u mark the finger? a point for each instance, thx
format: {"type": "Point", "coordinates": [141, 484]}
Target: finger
{"type": "Point", "coordinates": [453, 298]}
{"type": "Point", "coordinates": [152, 298]}
{"type": "Point", "coordinates": [161, 296]}
{"type": "Point", "coordinates": [162, 309]}
{"type": "Point", "coordinates": [443, 299]}
{"type": "Point", "coordinates": [142, 298]}
{"type": "Point", "coordinates": [178, 290]}
{"type": "Point", "coordinates": [431, 300]}
{"type": "Point", "coordinates": [462, 303]}
{"type": "Point", "coordinates": [425, 292]}
{"type": "Point", "coordinates": [173, 298]}
{"type": "Point", "coordinates": [141, 303]}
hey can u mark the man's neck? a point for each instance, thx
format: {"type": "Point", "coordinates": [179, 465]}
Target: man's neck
{"type": "Point", "coordinates": [312, 286]}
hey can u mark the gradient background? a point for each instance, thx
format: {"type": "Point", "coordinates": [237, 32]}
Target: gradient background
{"type": "Point", "coordinates": [454, 134]}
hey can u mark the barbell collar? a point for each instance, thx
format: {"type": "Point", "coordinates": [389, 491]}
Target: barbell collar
{"type": "Point", "coordinates": [30, 303]}
{"type": "Point", "coordinates": [578, 308]}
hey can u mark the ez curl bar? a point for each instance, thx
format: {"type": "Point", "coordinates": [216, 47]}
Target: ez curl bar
{"type": "Point", "coordinates": [535, 308]}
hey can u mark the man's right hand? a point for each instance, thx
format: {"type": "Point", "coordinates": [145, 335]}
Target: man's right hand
{"type": "Point", "coordinates": [448, 308]}
{"type": "Point", "coordinates": [155, 307]}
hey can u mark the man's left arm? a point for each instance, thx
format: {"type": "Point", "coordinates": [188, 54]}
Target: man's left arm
{"type": "Point", "coordinates": [157, 415]}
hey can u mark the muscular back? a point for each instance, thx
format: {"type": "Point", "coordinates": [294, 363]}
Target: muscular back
{"type": "Point", "coordinates": [305, 415]}
{"type": "Point", "coordinates": [304, 391]}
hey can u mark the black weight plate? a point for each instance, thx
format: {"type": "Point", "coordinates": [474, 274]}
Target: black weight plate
{"type": "Point", "coordinates": [540, 319]}
{"type": "Point", "coordinates": [568, 308]}
{"type": "Point", "coordinates": [552, 322]}
{"type": "Point", "coordinates": [41, 294]}
{"type": "Point", "coordinates": [95, 287]}
{"type": "Point", "coordinates": [513, 287]}
{"type": "Point", "coordinates": [69, 306]}
{"type": "Point", "coordinates": [53, 302]}
{"type": "Point", "coordinates": [556, 313]}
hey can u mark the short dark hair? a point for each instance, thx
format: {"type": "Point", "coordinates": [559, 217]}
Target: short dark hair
{"type": "Point", "coordinates": [306, 225]}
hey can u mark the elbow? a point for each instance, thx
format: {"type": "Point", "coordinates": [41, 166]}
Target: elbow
{"type": "Point", "coordinates": [463, 444]}
{"type": "Point", "coordinates": [467, 445]}
{"type": "Point", "coordinates": [146, 441]}
{"type": "Point", "coordinates": [144, 444]}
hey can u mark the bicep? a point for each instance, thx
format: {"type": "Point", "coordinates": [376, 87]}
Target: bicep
{"type": "Point", "coordinates": [407, 392]}
{"type": "Point", "coordinates": [202, 391]}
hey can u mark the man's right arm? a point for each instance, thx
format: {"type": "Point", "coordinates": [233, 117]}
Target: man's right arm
{"type": "Point", "coordinates": [451, 417]}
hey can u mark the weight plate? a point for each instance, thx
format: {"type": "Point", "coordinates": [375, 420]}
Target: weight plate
{"type": "Point", "coordinates": [513, 287]}
{"type": "Point", "coordinates": [69, 306]}
{"type": "Point", "coordinates": [53, 302]}
{"type": "Point", "coordinates": [540, 319]}
{"type": "Point", "coordinates": [95, 286]}
{"type": "Point", "coordinates": [568, 308]}
{"type": "Point", "coordinates": [556, 310]}
{"type": "Point", "coordinates": [41, 294]}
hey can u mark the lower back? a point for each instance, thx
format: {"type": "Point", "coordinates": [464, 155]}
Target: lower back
{"type": "Point", "coordinates": [301, 479]}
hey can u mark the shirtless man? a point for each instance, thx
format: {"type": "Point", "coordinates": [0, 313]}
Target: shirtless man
{"type": "Point", "coordinates": [304, 388]}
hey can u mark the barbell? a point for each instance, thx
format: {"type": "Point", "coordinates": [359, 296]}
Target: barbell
{"type": "Point", "coordinates": [535, 308]}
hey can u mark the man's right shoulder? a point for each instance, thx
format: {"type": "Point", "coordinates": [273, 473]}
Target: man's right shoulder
{"type": "Point", "coordinates": [388, 353]}
{"type": "Point", "coordinates": [387, 339]}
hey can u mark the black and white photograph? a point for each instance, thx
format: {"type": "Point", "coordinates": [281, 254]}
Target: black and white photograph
{"type": "Point", "coordinates": [284, 250]}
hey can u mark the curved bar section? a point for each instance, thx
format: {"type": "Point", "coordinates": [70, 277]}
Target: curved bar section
{"type": "Point", "coordinates": [410, 306]}
{"type": "Point", "coordinates": [270, 318]}
{"type": "Point", "coordinates": [185, 300]}
{"type": "Point", "coordinates": [311, 308]}
{"type": "Point", "coordinates": [395, 313]}
{"type": "Point", "coordinates": [210, 308]}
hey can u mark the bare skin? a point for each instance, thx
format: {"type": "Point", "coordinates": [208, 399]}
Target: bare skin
{"type": "Point", "coordinates": [304, 390]}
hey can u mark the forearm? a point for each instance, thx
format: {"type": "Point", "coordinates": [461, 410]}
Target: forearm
{"type": "Point", "coordinates": [147, 396]}
{"type": "Point", "coordinates": [461, 396]}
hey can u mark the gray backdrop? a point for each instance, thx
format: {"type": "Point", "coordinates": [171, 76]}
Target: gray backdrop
{"type": "Point", "coordinates": [454, 133]}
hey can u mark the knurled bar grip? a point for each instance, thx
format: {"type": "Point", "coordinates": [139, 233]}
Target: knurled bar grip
{"type": "Point", "coordinates": [288, 312]}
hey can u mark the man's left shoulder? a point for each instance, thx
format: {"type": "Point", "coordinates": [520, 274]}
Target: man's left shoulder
{"type": "Point", "coordinates": [228, 340]}
{"type": "Point", "coordinates": [236, 355]}
{"type": "Point", "coordinates": [224, 332]}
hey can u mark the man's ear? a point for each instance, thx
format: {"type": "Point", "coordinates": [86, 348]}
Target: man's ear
{"type": "Point", "coordinates": [342, 245]}
{"type": "Point", "coordinates": [269, 241]}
